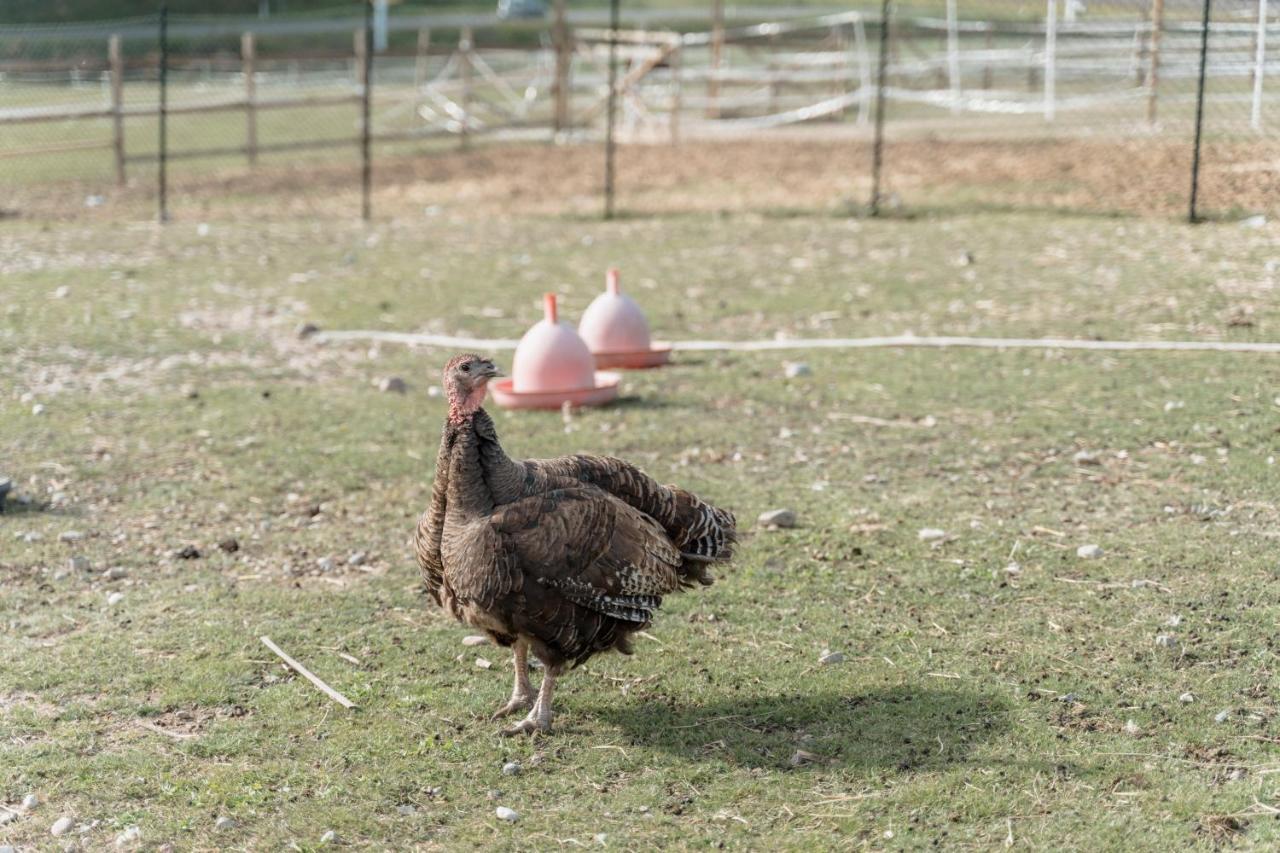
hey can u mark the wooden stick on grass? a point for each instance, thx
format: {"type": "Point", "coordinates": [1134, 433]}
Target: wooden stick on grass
{"type": "Point", "coordinates": [308, 674]}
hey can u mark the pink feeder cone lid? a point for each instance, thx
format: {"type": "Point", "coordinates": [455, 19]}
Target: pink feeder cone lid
{"type": "Point", "coordinates": [613, 322]}
{"type": "Point", "coordinates": [551, 357]}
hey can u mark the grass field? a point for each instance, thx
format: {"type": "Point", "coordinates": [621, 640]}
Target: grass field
{"type": "Point", "coordinates": [997, 689]}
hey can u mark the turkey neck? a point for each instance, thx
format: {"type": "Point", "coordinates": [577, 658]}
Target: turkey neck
{"type": "Point", "coordinates": [481, 475]}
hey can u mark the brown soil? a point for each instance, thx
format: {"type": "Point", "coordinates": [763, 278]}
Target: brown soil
{"type": "Point", "coordinates": [1142, 177]}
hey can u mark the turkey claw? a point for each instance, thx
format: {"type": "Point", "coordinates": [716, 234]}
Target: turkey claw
{"type": "Point", "coordinates": [515, 703]}
{"type": "Point", "coordinates": [527, 726]}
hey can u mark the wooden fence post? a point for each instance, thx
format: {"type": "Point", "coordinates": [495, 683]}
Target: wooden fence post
{"type": "Point", "coordinates": [1259, 66]}
{"type": "Point", "coordinates": [986, 69]}
{"type": "Point", "coordinates": [1153, 73]}
{"type": "Point", "coordinates": [360, 66]}
{"type": "Point", "coordinates": [841, 86]}
{"type": "Point", "coordinates": [774, 77]}
{"type": "Point", "coordinates": [465, 69]}
{"type": "Point", "coordinates": [248, 56]}
{"type": "Point", "coordinates": [953, 56]}
{"type": "Point", "coordinates": [420, 67]}
{"type": "Point", "coordinates": [1050, 59]}
{"type": "Point", "coordinates": [864, 70]}
{"type": "Point", "coordinates": [717, 52]}
{"type": "Point", "coordinates": [421, 58]}
{"type": "Point", "coordinates": [116, 61]}
{"type": "Point", "coordinates": [676, 60]}
{"type": "Point", "coordinates": [564, 56]}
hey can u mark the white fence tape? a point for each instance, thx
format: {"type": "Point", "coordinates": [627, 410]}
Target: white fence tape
{"type": "Point", "coordinates": [906, 340]}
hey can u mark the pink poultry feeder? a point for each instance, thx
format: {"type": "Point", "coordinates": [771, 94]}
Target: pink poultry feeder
{"type": "Point", "coordinates": [552, 366]}
{"type": "Point", "coordinates": [615, 329]}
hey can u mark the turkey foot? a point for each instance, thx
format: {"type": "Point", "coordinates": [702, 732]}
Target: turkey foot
{"type": "Point", "coordinates": [517, 702]}
{"type": "Point", "coordinates": [530, 725]}
{"type": "Point", "coordinates": [521, 694]}
{"type": "Point", "coordinates": [539, 719]}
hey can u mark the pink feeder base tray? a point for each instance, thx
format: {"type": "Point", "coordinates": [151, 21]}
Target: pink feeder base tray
{"type": "Point", "coordinates": [605, 390]}
{"type": "Point", "coordinates": [655, 356]}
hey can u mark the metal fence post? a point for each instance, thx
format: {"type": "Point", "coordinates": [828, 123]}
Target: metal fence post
{"type": "Point", "coordinates": [466, 71]}
{"type": "Point", "coordinates": [877, 148]}
{"type": "Point", "coordinates": [164, 114]}
{"type": "Point", "coordinates": [1192, 215]}
{"type": "Point", "coordinates": [366, 97]}
{"type": "Point", "coordinates": [612, 109]}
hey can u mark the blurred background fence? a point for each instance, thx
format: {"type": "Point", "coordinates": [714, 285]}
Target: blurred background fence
{"type": "Point", "coordinates": [1063, 104]}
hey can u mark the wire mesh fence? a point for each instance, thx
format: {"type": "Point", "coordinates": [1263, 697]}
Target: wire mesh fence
{"type": "Point", "coordinates": [1004, 103]}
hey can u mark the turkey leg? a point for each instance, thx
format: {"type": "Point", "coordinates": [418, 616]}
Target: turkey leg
{"type": "Point", "coordinates": [539, 719]}
{"type": "Point", "coordinates": [521, 693]}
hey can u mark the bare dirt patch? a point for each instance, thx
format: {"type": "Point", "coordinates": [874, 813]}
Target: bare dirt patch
{"type": "Point", "coordinates": [1149, 177]}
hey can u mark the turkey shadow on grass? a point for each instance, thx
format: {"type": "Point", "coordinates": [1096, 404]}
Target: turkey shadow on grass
{"type": "Point", "coordinates": [900, 728]}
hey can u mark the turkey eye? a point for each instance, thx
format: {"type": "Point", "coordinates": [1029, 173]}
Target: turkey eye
{"type": "Point", "coordinates": [466, 368]}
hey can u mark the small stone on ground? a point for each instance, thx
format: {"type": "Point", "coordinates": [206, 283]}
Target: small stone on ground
{"type": "Point", "coordinates": [1089, 552]}
{"type": "Point", "coordinates": [781, 518]}
{"type": "Point", "coordinates": [931, 534]}
{"type": "Point", "coordinates": [504, 813]}
{"type": "Point", "coordinates": [61, 826]}
{"type": "Point", "coordinates": [393, 385]}
{"type": "Point", "coordinates": [224, 823]}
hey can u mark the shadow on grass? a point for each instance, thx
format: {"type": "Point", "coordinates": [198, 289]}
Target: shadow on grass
{"type": "Point", "coordinates": [898, 728]}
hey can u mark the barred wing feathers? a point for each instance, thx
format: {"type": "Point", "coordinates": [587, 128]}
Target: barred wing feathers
{"type": "Point", "coordinates": [702, 533]}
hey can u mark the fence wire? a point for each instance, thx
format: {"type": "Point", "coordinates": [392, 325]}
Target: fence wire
{"type": "Point", "coordinates": [1064, 104]}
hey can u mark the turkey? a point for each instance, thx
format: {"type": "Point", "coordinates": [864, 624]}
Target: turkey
{"type": "Point", "coordinates": [560, 557]}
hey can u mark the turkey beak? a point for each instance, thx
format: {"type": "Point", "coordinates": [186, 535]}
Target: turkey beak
{"type": "Point", "coordinates": [491, 370]}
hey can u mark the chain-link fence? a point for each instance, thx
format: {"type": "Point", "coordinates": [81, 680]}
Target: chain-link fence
{"type": "Point", "coordinates": [1064, 104]}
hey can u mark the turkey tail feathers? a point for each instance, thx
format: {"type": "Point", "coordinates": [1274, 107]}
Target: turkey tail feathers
{"type": "Point", "coordinates": [705, 534]}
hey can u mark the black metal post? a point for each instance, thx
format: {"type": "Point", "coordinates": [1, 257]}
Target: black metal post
{"type": "Point", "coordinates": [366, 163]}
{"type": "Point", "coordinates": [609, 144]}
{"type": "Point", "coordinates": [1192, 216]}
{"type": "Point", "coordinates": [164, 113]}
{"type": "Point", "coordinates": [877, 146]}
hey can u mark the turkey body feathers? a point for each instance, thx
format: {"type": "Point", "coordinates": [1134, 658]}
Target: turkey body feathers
{"type": "Point", "coordinates": [572, 554]}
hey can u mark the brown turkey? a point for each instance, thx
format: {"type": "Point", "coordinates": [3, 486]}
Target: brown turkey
{"type": "Point", "coordinates": [563, 557]}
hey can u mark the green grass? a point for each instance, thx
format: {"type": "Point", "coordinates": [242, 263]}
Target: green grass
{"type": "Point", "coordinates": [975, 705]}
